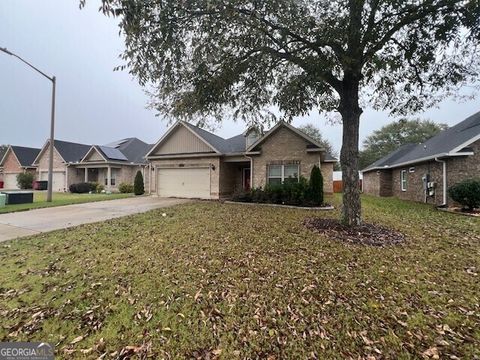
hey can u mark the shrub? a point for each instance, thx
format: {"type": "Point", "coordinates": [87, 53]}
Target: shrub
{"type": "Point", "coordinates": [99, 188]}
{"type": "Point", "coordinates": [83, 188]}
{"type": "Point", "coordinates": [125, 188]}
{"type": "Point", "coordinates": [93, 186]}
{"type": "Point", "coordinates": [138, 187]}
{"type": "Point", "coordinates": [298, 193]}
{"type": "Point", "coordinates": [25, 180]}
{"type": "Point", "coordinates": [315, 192]}
{"type": "Point", "coordinates": [466, 193]}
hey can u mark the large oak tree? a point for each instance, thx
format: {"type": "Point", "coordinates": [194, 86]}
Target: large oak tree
{"type": "Point", "coordinates": [207, 60]}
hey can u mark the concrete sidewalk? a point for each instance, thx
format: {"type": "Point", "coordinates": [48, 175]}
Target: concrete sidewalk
{"type": "Point", "coordinates": [25, 223]}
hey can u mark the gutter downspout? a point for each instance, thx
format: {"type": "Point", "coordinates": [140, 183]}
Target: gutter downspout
{"type": "Point", "coordinates": [444, 182]}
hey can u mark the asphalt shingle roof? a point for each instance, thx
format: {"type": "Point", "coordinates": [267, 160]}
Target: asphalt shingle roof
{"type": "Point", "coordinates": [235, 144]}
{"type": "Point", "coordinates": [25, 155]}
{"type": "Point", "coordinates": [438, 145]}
{"type": "Point", "coordinates": [71, 152]}
{"type": "Point", "coordinates": [133, 149]}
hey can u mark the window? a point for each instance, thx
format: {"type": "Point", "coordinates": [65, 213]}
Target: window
{"type": "Point", "coordinates": [403, 180]}
{"type": "Point", "coordinates": [275, 174]}
{"type": "Point", "coordinates": [113, 176]}
{"type": "Point", "coordinates": [278, 174]}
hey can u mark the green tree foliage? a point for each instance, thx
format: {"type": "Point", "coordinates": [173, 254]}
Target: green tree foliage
{"type": "Point", "coordinates": [314, 132]}
{"type": "Point", "coordinates": [25, 180]}
{"type": "Point", "coordinates": [205, 60]}
{"type": "Point", "coordinates": [138, 187]}
{"type": "Point", "coordinates": [316, 185]}
{"type": "Point", "coordinates": [390, 137]}
{"type": "Point", "coordinates": [3, 150]}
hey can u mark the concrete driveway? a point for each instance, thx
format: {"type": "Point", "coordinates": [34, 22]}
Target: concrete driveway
{"type": "Point", "coordinates": [25, 223]}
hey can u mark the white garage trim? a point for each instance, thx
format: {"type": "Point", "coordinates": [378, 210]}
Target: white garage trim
{"type": "Point", "coordinates": [59, 180]}
{"type": "Point", "coordinates": [184, 182]}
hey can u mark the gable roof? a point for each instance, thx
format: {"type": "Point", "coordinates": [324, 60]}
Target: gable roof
{"type": "Point", "coordinates": [235, 144]}
{"type": "Point", "coordinates": [24, 155]}
{"type": "Point", "coordinates": [288, 126]}
{"type": "Point", "coordinates": [69, 151]}
{"type": "Point", "coordinates": [450, 142]}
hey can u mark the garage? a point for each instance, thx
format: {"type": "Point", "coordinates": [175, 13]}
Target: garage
{"type": "Point", "coordinates": [58, 180]}
{"type": "Point", "coordinates": [10, 181]}
{"type": "Point", "coordinates": [184, 182]}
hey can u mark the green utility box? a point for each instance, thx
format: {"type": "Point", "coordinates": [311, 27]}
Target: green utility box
{"type": "Point", "coordinates": [3, 199]}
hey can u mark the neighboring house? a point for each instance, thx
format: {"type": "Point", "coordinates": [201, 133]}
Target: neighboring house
{"type": "Point", "coordinates": [65, 155]}
{"type": "Point", "coordinates": [16, 160]}
{"type": "Point", "coordinates": [193, 163]}
{"type": "Point", "coordinates": [423, 172]}
{"type": "Point", "coordinates": [108, 165]}
{"type": "Point", "coordinates": [114, 163]}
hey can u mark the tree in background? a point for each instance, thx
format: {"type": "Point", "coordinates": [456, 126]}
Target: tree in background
{"type": "Point", "coordinates": [3, 150]}
{"type": "Point", "coordinates": [138, 187]}
{"type": "Point", "coordinates": [207, 60]}
{"type": "Point", "coordinates": [314, 132]}
{"type": "Point", "coordinates": [390, 137]}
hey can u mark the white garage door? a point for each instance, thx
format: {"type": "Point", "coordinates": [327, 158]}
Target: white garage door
{"type": "Point", "coordinates": [58, 180]}
{"type": "Point", "coordinates": [10, 181]}
{"type": "Point", "coordinates": [184, 182]}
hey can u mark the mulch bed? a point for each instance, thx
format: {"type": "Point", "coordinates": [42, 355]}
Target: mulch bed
{"type": "Point", "coordinates": [365, 234]}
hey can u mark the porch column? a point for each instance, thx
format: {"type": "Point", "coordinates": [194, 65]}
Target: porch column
{"type": "Point", "coordinates": [86, 174]}
{"type": "Point", "coordinates": [109, 177]}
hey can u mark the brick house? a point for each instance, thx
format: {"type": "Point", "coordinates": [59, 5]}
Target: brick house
{"type": "Point", "coordinates": [65, 155]}
{"type": "Point", "coordinates": [193, 163]}
{"type": "Point", "coordinates": [109, 164]}
{"type": "Point", "coordinates": [115, 163]}
{"type": "Point", "coordinates": [16, 160]}
{"type": "Point", "coordinates": [423, 172]}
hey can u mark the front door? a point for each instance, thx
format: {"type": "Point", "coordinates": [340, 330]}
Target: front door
{"type": "Point", "coordinates": [92, 175]}
{"type": "Point", "coordinates": [246, 179]}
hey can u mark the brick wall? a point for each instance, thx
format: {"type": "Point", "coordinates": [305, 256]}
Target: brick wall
{"type": "Point", "coordinates": [11, 164]}
{"type": "Point", "coordinates": [285, 145]}
{"type": "Point", "coordinates": [231, 175]}
{"type": "Point", "coordinates": [463, 168]}
{"type": "Point", "coordinates": [378, 182]}
{"type": "Point", "coordinates": [58, 163]}
{"type": "Point", "coordinates": [415, 190]}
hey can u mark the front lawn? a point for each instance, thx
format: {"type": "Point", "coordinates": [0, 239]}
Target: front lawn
{"type": "Point", "coordinates": [212, 280]}
{"type": "Point", "coordinates": [59, 199]}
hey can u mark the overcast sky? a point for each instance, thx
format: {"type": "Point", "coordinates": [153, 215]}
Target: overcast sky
{"type": "Point", "coordinates": [96, 105]}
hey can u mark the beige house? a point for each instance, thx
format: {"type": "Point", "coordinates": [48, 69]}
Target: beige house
{"type": "Point", "coordinates": [16, 160]}
{"type": "Point", "coordinates": [193, 163]}
{"type": "Point", "coordinates": [109, 165]}
{"type": "Point", "coordinates": [65, 155]}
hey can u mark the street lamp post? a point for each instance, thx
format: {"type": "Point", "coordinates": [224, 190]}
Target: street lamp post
{"type": "Point", "coordinates": [52, 121]}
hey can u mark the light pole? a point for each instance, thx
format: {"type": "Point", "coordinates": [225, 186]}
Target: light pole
{"type": "Point", "coordinates": [52, 121]}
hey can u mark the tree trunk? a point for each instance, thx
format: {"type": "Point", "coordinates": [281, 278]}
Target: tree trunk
{"type": "Point", "coordinates": [350, 110]}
